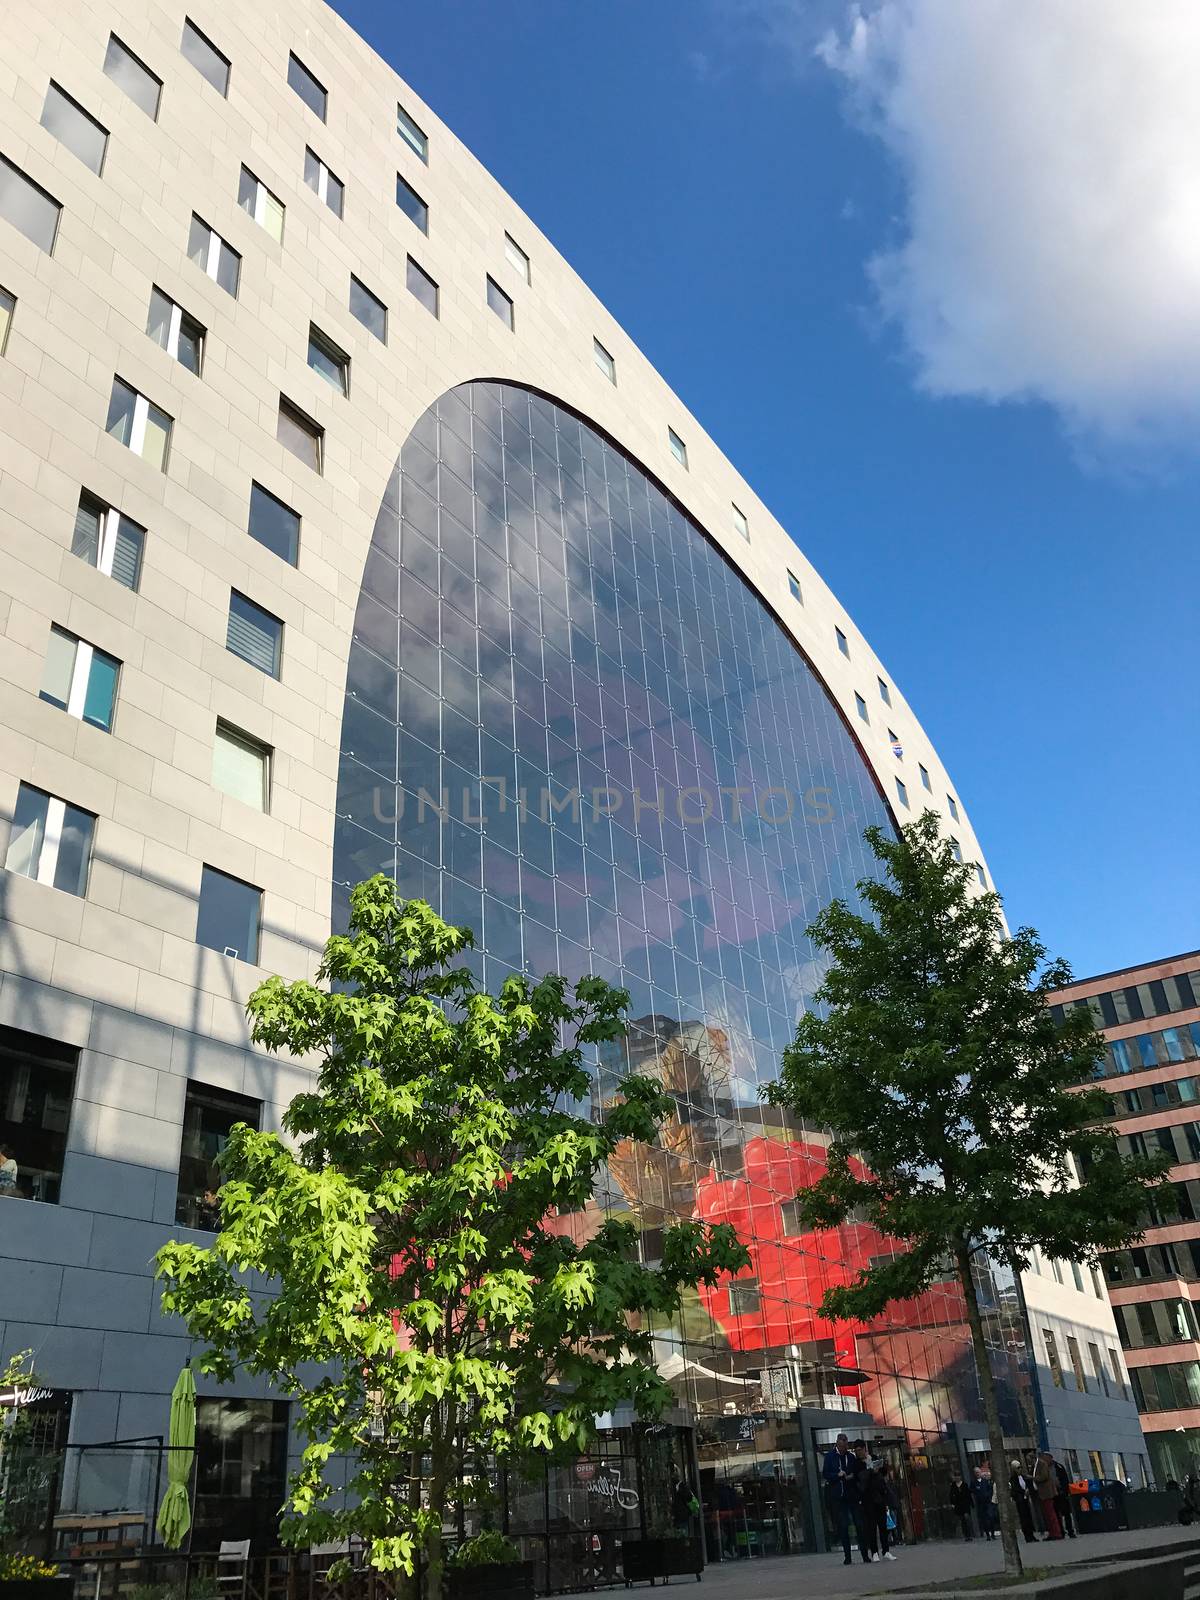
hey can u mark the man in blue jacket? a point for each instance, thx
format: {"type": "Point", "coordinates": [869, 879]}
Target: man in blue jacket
{"type": "Point", "coordinates": [840, 1473]}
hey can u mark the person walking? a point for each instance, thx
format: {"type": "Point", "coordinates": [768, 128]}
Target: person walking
{"type": "Point", "coordinates": [1045, 1483]}
{"type": "Point", "coordinates": [840, 1473]}
{"type": "Point", "coordinates": [961, 1503]}
{"type": "Point", "coordinates": [1020, 1488]}
{"type": "Point", "coordinates": [881, 1504]}
{"type": "Point", "coordinates": [1062, 1500]}
{"type": "Point", "coordinates": [983, 1494]}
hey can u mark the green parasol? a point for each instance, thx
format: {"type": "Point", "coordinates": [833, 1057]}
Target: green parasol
{"type": "Point", "coordinates": [175, 1513]}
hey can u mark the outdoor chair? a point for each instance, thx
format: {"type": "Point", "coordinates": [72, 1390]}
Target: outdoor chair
{"type": "Point", "coordinates": [233, 1567]}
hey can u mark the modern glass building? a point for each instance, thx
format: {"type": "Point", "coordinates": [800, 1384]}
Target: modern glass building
{"type": "Point", "coordinates": [345, 531]}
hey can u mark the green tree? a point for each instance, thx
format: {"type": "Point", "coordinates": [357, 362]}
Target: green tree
{"type": "Point", "coordinates": [427, 1308]}
{"type": "Point", "coordinates": [961, 1119]}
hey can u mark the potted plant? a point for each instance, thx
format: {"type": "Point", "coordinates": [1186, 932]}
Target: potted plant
{"type": "Point", "coordinates": [26, 1577]}
{"type": "Point", "coordinates": [488, 1567]}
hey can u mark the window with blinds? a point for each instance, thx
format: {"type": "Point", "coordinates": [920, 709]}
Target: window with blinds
{"type": "Point", "coordinates": [254, 634]}
{"type": "Point", "coordinates": [108, 541]}
{"type": "Point", "coordinates": [241, 767]}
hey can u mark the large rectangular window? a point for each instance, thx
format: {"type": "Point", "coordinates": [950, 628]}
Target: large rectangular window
{"type": "Point", "coordinates": [28, 207]}
{"type": "Point", "coordinates": [1054, 1363]}
{"type": "Point", "coordinates": [241, 1467]}
{"type": "Point", "coordinates": [310, 89]}
{"type": "Point", "coordinates": [410, 202]}
{"type": "Point", "coordinates": [108, 541]}
{"type": "Point", "coordinates": [323, 183]}
{"type": "Point", "coordinates": [50, 841]}
{"type": "Point", "coordinates": [229, 915]}
{"type": "Point", "coordinates": [181, 336]}
{"type": "Point", "coordinates": [130, 72]}
{"type": "Point", "coordinates": [205, 57]}
{"type": "Point", "coordinates": [79, 679]}
{"type": "Point", "coordinates": [71, 125]}
{"type": "Point", "coordinates": [37, 1085]}
{"type": "Point", "coordinates": [369, 309]}
{"type": "Point", "coordinates": [274, 524]}
{"type": "Point", "coordinates": [242, 767]}
{"type": "Point", "coordinates": [140, 426]}
{"type": "Point", "coordinates": [254, 634]}
{"type": "Point", "coordinates": [297, 432]}
{"type": "Point", "coordinates": [220, 261]}
{"type": "Point", "coordinates": [266, 208]}
{"type": "Point", "coordinates": [422, 286]}
{"type": "Point", "coordinates": [209, 1117]}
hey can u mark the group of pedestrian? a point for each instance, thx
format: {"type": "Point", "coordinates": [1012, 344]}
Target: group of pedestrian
{"type": "Point", "coordinates": [976, 1497]}
{"type": "Point", "coordinates": [860, 1492]}
{"type": "Point", "coordinates": [1042, 1483]}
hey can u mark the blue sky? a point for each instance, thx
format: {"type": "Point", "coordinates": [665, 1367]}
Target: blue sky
{"type": "Point", "coordinates": [1031, 583]}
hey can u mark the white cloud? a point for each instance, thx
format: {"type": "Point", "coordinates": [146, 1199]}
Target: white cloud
{"type": "Point", "coordinates": [1051, 154]}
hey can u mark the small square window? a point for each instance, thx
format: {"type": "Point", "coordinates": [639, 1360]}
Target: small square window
{"type": "Point", "coordinates": [369, 309]}
{"type": "Point", "coordinates": [132, 74]}
{"type": "Point", "coordinates": [138, 425]}
{"type": "Point", "coordinates": [678, 448]}
{"type": "Point", "coordinates": [215, 258]}
{"type": "Point", "coordinates": [604, 361]}
{"type": "Point", "coordinates": [205, 57]}
{"type": "Point", "coordinates": [794, 588]}
{"type": "Point", "coordinates": [740, 525]}
{"type": "Point", "coordinates": [843, 643]}
{"type": "Point", "coordinates": [517, 257]}
{"type": "Point", "coordinates": [242, 767]}
{"type": "Point", "coordinates": [860, 706]}
{"type": "Point", "coordinates": [309, 88]}
{"type": "Point", "coordinates": [925, 783]}
{"type": "Point", "coordinates": [50, 841]}
{"type": "Point", "coordinates": [229, 915]}
{"type": "Point", "coordinates": [885, 694]}
{"type": "Point", "coordinates": [500, 303]}
{"type": "Point", "coordinates": [274, 525]}
{"type": "Point", "coordinates": [266, 209]}
{"type": "Point", "coordinates": [108, 541]}
{"type": "Point", "coordinates": [981, 875]}
{"type": "Point", "coordinates": [181, 336]}
{"type": "Point", "coordinates": [323, 183]}
{"type": "Point", "coordinates": [410, 202]}
{"type": "Point", "coordinates": [80, 680]}
{"type": "Point", "coordinates": [8, 304]}
{"type": "Point", "coordinates": [28, 207]}
{"type": "Point", "coordinates": [953, 804]}
{"type": "Point", "coordinates": [422, 286]}
{"type": "Point", "coordinates": [413, 135]}
{"type": "Point", "coordinates": [325, 358]}
{"type": "Point", "coordinates": [254, 634]}
{"type": "Point", "coordinates": [76, 128]}
{"type": "Point", "coordinates": [902, 792]}
{"type": "Point", "coordinates": [298, 433]}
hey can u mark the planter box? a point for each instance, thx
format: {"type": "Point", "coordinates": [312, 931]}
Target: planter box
{"type": "Point", "coordinates": [37, 1588]}
{"type": "Point", "coordinates": [643, 1559]}
{"type": "Point", "coordinates": [502, 1580]}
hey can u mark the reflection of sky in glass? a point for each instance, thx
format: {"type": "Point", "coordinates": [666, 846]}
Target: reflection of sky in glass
{"type": "Point", "coordinates": [536, 616]}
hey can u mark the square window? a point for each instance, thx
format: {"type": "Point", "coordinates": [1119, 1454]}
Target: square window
{"type": "Point", "coordinates": [76, 128]}
{"type": "Point", "coordinates": [205, 57]}
{"type": "Point", "coordinates": [885, 694]}
{"type": "Point", "coordinates": [220, 261]}
{"type": "Point", "coordinates": [309, 88]}
{"type": "Point", "coordinates": [254, 634]}
{"type": "Point", "coordinates": [229, 915]}
{"type": "Point", "coordinates": [209, 1117]}
{"type": "Point", "coordinates": [678, 448]}
{"type": "Point", "coordinates": [50, 841]}
{"type": "Point", "coordinates": [925, 783]}
{"type": "Point", "coordinates": [175, 332]}
{"type": "Point", "coordinates": [422, 286]}
{"type": "Point", "coordinates": [794, 588]}
{"type": "Point", "coordinates": [108, 541]}
{"type": "Point", "coordinates": [273, 524]}
{"type": "Point", "coordinates": [323, 183]}
{"type": "Point", "coordinates": [8, 305]}
{"type": "Point", "coordinates": [517, 257]}
{"type": "Point", "coordinates": [902, 792]}
{"type": "Point", "coordinates": [500, 303]}
{"type": "Point", "coordinates": [953, 804]}
{"type": "Point", "coordinates": [298, 433]}
{"type": "Point", "coordinates": [266, 209]}
{"type": "Point", "coordinates": [369, 309]}
{"type": "Point", "coordinates": [413, 135]}
{"type": "Point", "coordinates": [326, 359]}
{"type": "Point", "coordinates": [28, 207]}
{"type": "Point", "coordinates": [130, 73]}
{"type": "Point", "coordinates": [604, 361]}
{"type": "Point", "coordinates": [861, 707]}
{"type": "Point", "coordinates": [843, 643]}
{"type": "Point", "coordinates": [410, 202]}
{"type": "Point", "coordinates": [79, 679]}
{"type": "Point", "coordinates": [242, 767]}
{"type": "Point", "coordinates": [37, 1087]}
{"type": "Point", "coordinates": [744, 1298]}
{"type": "Point", "coordinates": [137, 424]}
{"type": "Point", "coordinates": [740, 525]}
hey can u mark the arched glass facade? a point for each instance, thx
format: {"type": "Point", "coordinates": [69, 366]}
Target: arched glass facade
{"type": "Point", "coordinates": [571, 726]}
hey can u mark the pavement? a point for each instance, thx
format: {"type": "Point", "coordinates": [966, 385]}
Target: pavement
{"type": "Point", "coordinates": [812, 1577]}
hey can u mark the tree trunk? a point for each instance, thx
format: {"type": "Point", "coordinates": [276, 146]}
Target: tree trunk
{"type": "Point", "coordinates": [441, 1469]}
{"type": "Point", "coordinates": [1009, 1541]}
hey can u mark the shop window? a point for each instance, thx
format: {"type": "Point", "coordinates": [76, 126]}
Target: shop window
{"type": "Point", "coordinates": [37, 1083]}
{"type": "Point", "coordinates": [241, 1471]}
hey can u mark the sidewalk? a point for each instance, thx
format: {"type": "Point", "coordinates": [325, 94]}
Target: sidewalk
{"type": "Point", "coordinates": [815, 1576]}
